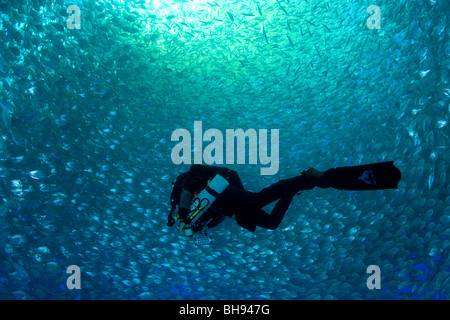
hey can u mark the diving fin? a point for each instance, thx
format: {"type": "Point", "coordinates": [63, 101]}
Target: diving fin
{"type": "Point", "coordinates": [376, 176]}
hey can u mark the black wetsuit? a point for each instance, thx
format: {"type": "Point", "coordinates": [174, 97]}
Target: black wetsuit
{"type": "Point", "coordinates": [244, 205]}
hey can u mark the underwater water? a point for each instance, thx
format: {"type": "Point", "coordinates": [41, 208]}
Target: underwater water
{"type": "Point", "coordinates": [85, 148]}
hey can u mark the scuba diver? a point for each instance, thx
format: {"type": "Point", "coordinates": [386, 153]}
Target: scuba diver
{"type": "Point", "coordinates": [202, 197]}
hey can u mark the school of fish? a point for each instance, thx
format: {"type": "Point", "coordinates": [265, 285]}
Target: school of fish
{"type": "Point", "coordinates": [85, 143]}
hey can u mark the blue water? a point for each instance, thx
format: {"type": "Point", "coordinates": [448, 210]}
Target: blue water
{"type": "Point", "coordinates": [85, 146]}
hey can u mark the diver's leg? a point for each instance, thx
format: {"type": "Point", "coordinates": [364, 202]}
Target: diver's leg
{"type": "Point", "coordinates": [366, 177]}
{"type": "Point", "coordinates": [234, 197]}
{"type": "Point", "coordinates": [273, 220]}
{"type": "Point", "coordinates": [252, 217]}
{"type": "Point", "coordinates": [283, 188]}
{"type": "Point", "coordinates": [247, 205]}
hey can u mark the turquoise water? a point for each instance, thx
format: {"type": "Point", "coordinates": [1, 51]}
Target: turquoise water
{"type": "Point", "coordinates": [85, 148]}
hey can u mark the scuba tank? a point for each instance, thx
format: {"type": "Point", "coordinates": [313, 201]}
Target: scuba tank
{"type": "Point", "coordinates": [197, 219]}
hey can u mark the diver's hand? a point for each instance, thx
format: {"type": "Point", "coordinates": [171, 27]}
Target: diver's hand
{"type": "Point", "coordinates": [185, 230]}
{"type": "Point", "coordinates": [170, 217]}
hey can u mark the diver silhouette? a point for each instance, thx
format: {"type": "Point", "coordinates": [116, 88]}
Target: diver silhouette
{"type": "Point", "coordinates": [202, 197]}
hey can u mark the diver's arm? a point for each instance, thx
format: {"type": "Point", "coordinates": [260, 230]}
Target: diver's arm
{"type": "Point", "coordinates": [181, 210]}
{"type": "Point", "coordinates": [185, 203]}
